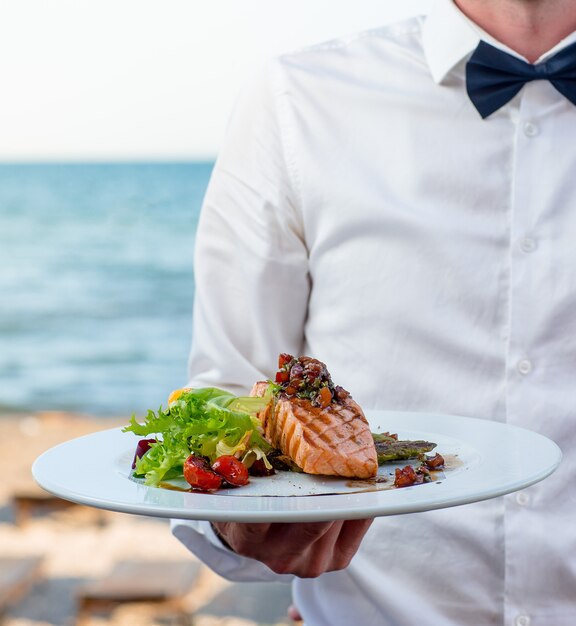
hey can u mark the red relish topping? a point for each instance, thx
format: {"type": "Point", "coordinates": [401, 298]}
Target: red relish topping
{"type": "Point", "coordinates": [308, 378]}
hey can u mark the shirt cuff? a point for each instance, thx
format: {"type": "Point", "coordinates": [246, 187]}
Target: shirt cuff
{"type": "Point", "coordinates": [200, 539]}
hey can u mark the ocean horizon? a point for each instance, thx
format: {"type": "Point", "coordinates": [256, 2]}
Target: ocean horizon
{"type": "Point", "coordinates": [96, 277]}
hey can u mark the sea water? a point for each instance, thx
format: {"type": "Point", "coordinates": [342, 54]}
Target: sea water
{"type": "Point", "coordinates": [96, 284]}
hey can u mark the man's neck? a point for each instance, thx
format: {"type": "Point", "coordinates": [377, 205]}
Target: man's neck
{"type": "Point", "coordinates": [530, 27]}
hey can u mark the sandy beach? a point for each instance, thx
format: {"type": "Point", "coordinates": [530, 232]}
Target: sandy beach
{"type": "Point", "coordinates": [78, 544]}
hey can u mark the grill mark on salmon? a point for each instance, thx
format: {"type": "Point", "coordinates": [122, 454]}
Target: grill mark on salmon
{"type": "Point", "coordinates": [333, 441]}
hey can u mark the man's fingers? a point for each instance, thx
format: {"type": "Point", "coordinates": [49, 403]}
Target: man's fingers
{"type": "Point", "coordinates": [287, 545]}
{"type": "Point", "coordinates": [301, 534]}
{"type": "Point", "coordinates": [310, 559]}
{"type": "Point", "coordinates": [242, 538]}
{"type": "Point", "coordinates": [294, 613]}
{"type": "Point", "coordinates": [332, 551]}
{"type": "Point", "coordinates": [351, 534]}
{"type": "Point", "coordinates": [306, 550]}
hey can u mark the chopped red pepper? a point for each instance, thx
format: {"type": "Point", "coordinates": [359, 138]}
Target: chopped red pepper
{"type": "Point", "coordinates": [405, 476]}
{"type": "Point", "coordinates": [282, 377]}
{"type": "Point", "coordinates": [284, 359]}
{"type": "Point", "coordinates": [324, 397]}
{"type": "Point", "coordinates": [434, 462]}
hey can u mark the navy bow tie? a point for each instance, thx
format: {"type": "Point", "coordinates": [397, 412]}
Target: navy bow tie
{"type": "Point", "coordinates": [494, 77]}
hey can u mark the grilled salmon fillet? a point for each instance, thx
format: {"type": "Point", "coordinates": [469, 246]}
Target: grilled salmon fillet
{"type": "Point", "coordinates": [328, 437]}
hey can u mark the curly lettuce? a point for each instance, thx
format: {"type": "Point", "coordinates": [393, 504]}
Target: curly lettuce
{"type": "Point", "coordinates": [208, 422]}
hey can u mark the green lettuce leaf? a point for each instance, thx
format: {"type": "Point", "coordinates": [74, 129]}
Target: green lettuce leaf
{"type": "Point", "coordinates": [204, 422]}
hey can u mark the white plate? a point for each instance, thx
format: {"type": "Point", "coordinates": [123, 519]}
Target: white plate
{"type": "Point", "coordinates": [485, 459]}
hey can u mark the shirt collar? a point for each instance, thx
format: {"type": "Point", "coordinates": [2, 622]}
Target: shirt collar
{"type": "Point", "coordinates": [448, 37]}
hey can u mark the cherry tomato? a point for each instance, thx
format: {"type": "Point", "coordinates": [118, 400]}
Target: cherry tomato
{"type": "Point", "coordinates": [200, 475]}
{"type": "Point", "coordinates": [231, 469]}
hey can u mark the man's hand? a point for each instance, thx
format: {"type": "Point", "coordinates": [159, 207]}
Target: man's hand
{"type": "Point", "coordinates": [303, 549]}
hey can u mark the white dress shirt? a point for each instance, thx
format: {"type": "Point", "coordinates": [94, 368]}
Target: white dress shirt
{"type": "Point", "coordinates": [363, 213]}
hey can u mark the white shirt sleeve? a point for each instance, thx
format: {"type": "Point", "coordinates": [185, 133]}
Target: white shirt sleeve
{"type": "Point", "coordinates": [251, 261]}
{"type": "Point", "coordinates": [201, 540]}
{"type": "Point", "coordinates": [252, 285]}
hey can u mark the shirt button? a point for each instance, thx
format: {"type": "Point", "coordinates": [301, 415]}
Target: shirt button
{"type": "Point", "coordinates": [531, 129]}
{"type": "Point", "coordinates": [522, 620]}
{"type": "Point", "coordinates": [528, 244]}
{"type": "Point", "coordinates": [524, 366]}
{"type": "Point", "coordinates": [522, 498]}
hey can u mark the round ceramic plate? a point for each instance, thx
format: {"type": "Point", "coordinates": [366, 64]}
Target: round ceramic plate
{"type": "Point", "coordinates": [484, 460]}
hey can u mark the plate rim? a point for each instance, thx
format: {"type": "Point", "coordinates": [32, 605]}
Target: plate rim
{"type": "Point", "coordinates": [333, 506]}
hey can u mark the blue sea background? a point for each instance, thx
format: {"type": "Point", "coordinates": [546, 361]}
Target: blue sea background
{"type": "Point", "coordinates": [96, 284]}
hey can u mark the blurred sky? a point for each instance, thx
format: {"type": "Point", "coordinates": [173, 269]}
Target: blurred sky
{"type": "Point", "coordinates": [147, 79]}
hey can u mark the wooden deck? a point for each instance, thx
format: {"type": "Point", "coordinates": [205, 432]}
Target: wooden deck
{"type": "Point", "coordinates": [17, 576]}
{"type": "Point", "coordinates": [164, 584]}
